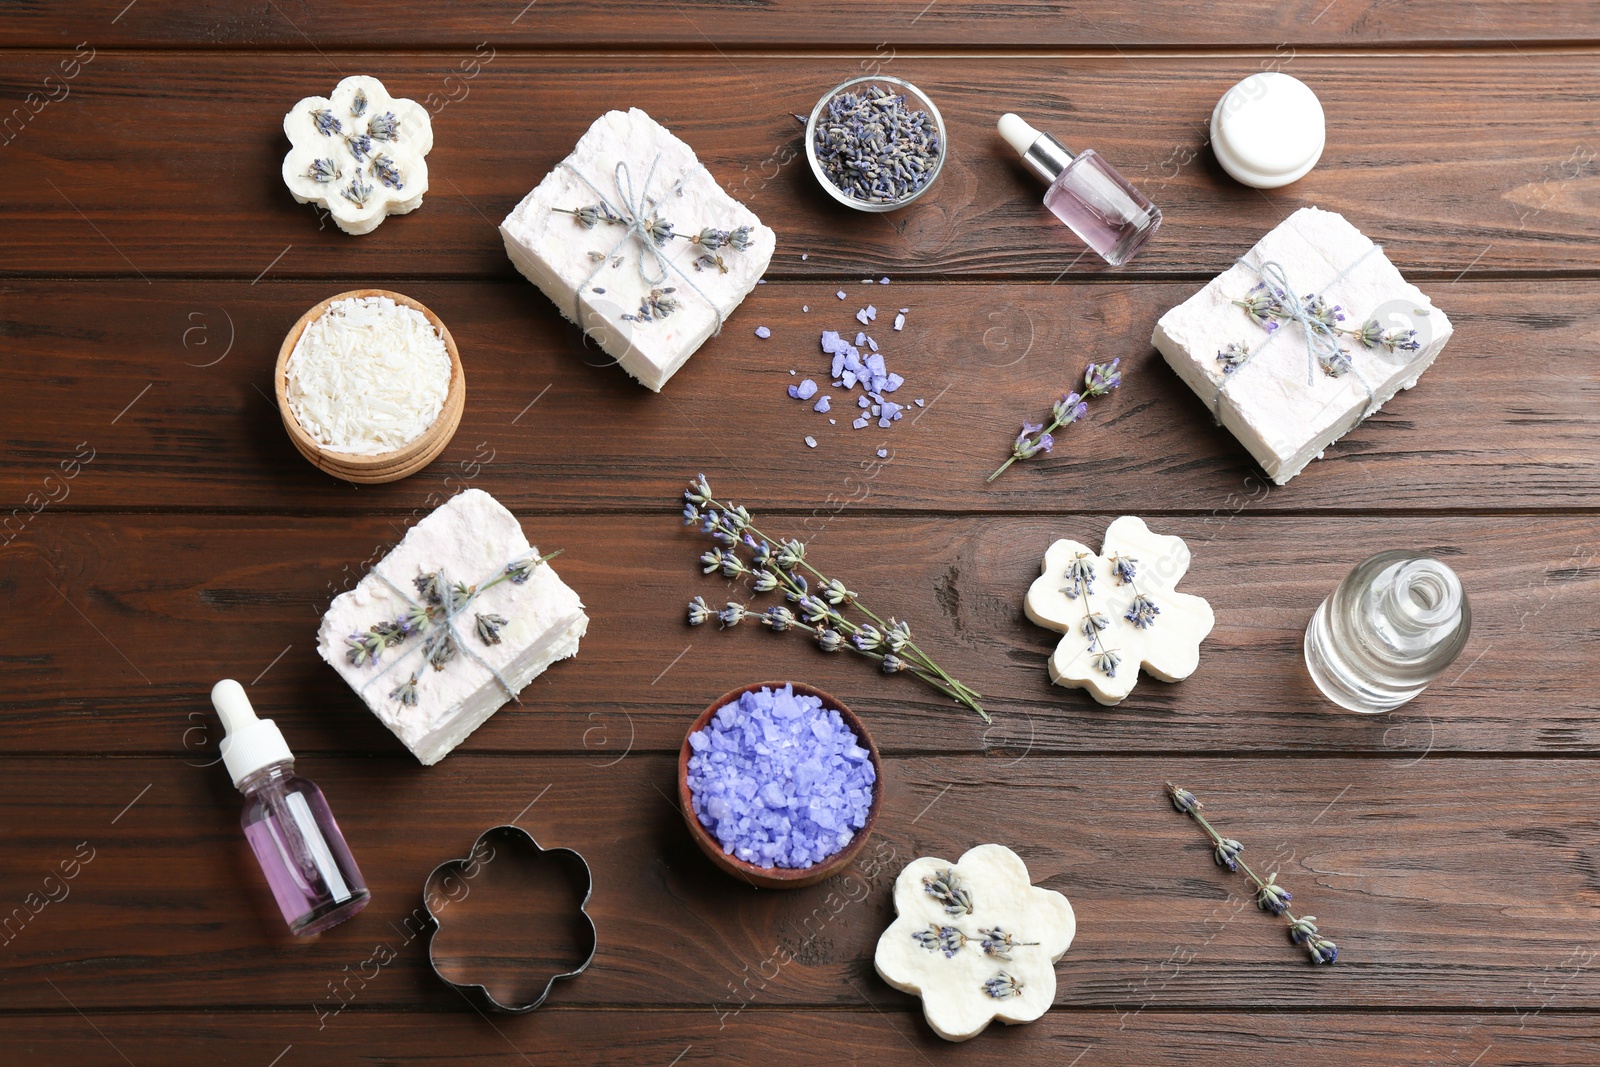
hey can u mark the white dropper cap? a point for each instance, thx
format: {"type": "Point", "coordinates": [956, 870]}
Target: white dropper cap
{"type": "Point", "coordinates": [1044, 155]}
{"type": "Point", "coordinates": [251, 743]}
{"type": "Point", "coordinates": [1018, 134]}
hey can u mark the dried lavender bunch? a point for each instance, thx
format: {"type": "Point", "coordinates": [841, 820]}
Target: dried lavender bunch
{"type": "Point", "coordinates": [780, 566]}
{"type": "Point", "coordinates": [1269, 306]}
{"type": "Point", "coordinates": [873, 147]}
{"type": "Point", "coordinates": [1270, 896]}
{"type": "Point", "coordinates": [1035, 438]}
{"type": "Point", "coordinates": [429, 618]}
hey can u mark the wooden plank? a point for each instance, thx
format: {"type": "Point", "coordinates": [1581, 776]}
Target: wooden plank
{"type": "Point", "coordinates": [1404, 864]}
{"type": "Point", "coordinates": [168, 387]}
{"type": "Point", "coordinates": [151, 198]}
{"type": "Point", "coordinates": [829, 24]}
{"type": "Point", "coordinates": [136, 616]}
{"type": "Point", "coordinates": [629, 1038]}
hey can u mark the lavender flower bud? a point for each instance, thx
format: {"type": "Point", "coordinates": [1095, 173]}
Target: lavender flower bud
{"type": "Point", "coordinates": [791, 554]}
{"type": "Point", "coordinates": [813, 610]}
{"type": "Point", "coordinates": [868, 638]}
{"type": "Point", "coordinates": [1183, 800]}
{"type": "Point", "coordinates": [779, 618]}
{"type": "Point", "coordinates": [731, 615]}
{"type": "Point", "coordinates": [834, 592]}
{"type": "Point", "coordinates": [1322, 950]}
{"type": "Point", "coordinates": [699, 611]}
{"type": "Point", "coordinates": [765, 582]}
{"type": "Point", "coordinates": [893, 663]}
{"type": "Point", "coordinates": [691, 514]}
{"type": "Point", "coordinates": [1273, 897]}
{"type": "Point", "coordinates": [897, 636]}
{"type": "Point", "coordinates": [1101, 378]}
{"type": "Point", "coordinates": [699, 491]}
{"type": "Point", "coordinates": [830, 640]}
{"type": "Point", "coordinates": [710, 560]}
{"type": "Point", "coordinates": [732, 565]}
{"type": "Point", "coordinates": [1226, 852]}
{"type": "Point", "coordinates": [1026, 447]}
{"type": "Point", "coordinates": [1070, 408]}
{"type": "Point", "coordinates": [1302, 929]}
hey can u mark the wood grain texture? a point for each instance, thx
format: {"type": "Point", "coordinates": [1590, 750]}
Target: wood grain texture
{"type": "Point", "coordinates": [1520, 375]}
{"type": "Point", "coordinates": [700, 25]}
{"type": "Point", "coordinates": [127, 646]}
{"type": "Point", "coordinates": [1408, 865]}
{"type": "Point", "coordinates": [889, 1035]}
{"type": "Point", "coordinates": [113, 177]}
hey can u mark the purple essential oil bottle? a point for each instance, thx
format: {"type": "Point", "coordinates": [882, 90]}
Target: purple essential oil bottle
{"type": "Point", "coordinates": [287, 822]}
{"type": "Point", "coordinates": [1086, 193]}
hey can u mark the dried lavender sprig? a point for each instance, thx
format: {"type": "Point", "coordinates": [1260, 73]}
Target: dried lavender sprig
{"type": "Point", "coordinates": [732, 525]}
{"type": "Point", "coordinates": [1270, 896]}
{"type": "Point", "coordinates": [733, 522]}
{"type": "Point", "coordinates": [1035, 438]}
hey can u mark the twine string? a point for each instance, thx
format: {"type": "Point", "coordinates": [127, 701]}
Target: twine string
{"type": "Point", "coordinates": [634, 213]}
{"type": "Point", "coordinates": [451, 611]}
{"type": "Point", "coordinates": [1322, 344]}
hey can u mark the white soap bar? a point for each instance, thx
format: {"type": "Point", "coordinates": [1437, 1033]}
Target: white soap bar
{"type": "Point", "coordinates": [1279, 402]}
{"type": "Point", "coordinates": [648, 305]}
{"type": "Point", "coordinates": [359, 153]}
{"type": "Point", "coordinates": [470, 539]}
{"type": "Point", "coordinates": [976, 940]}
{"type": "Point", "coordinates": [1119, 611]}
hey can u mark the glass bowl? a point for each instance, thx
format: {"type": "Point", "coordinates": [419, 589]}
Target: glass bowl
{"type": "Point", "coordinates": [915, 99]}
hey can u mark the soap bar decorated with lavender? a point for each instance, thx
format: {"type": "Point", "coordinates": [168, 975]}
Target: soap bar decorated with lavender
{"type": "Point", "coordinates": [359, 153]}
{"type": "Point", "coordinates": [1309, 333]}
{"type": "Point", "coordinates": [635, 241]}
{"type": "Point", "coordinates": [451, 624]}
{"type": "Point", "coordinates": [976, 940]}
{"type": "Point", "coordinates": [1119, 610]}
{"type": "Point", "coordinates": [780, 780]}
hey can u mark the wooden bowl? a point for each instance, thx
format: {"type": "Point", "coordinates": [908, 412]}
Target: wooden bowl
{"type": "Point", "coordinates": [383, 466]}
{"type": "Point", "coordinates": [779, 877]}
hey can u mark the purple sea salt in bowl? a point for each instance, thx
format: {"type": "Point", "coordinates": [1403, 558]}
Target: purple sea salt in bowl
{"type": "Point", "coordinates": [778, 877]}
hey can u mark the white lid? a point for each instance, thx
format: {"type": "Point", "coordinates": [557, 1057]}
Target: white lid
{"type": "Point", "coordinates": [251, 743]}
{"type": "Point", "coordinates": [1268, 130]}
{"type": "Point", "coordinates": [1017, 132]}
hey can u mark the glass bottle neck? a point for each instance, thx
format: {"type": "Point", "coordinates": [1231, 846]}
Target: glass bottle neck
{"type": "Point", "coordinates": [273, 774]}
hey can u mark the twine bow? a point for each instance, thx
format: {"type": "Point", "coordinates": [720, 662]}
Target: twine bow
{"type": "Point", "coordinates": [1322, 344]}
{"type": "Point", "coordinates": [447, 601]}
{"type": "Point", "coordinates": [636, 215]}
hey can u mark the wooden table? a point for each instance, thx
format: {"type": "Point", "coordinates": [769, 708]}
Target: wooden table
{"type": "Point", "coordinates": [163, 533]}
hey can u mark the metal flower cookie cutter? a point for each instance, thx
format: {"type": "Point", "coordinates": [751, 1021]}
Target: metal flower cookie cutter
{"type": "Point", "coordinates": [517, 922]}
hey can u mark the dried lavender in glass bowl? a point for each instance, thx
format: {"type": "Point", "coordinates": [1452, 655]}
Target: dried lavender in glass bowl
{"type": "Point", "coordinates": [875, 143]}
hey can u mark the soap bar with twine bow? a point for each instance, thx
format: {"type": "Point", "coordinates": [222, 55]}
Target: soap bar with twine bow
{"type": "Point", "coordinates": [634, 240]}
{"type": "Point", "coordinates": [1306, 335]}
{"type": "Point", "coordinates": [451, 624]}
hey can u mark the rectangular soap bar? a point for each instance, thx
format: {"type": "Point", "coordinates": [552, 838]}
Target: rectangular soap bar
{"type": "Point", "coordinates": [1279, 402]}
{"type": "Point", "coordinates": [649, 304]}
{"type": "Point", "coordinates": [470, 539]}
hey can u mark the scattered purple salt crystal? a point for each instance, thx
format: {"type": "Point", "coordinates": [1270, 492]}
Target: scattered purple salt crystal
{"type": "Point", "coordinates": [779, 780]}
{"type": "Point", "coordinates": [806, 308]}
{"type": "Point", "coordinates": [861, 339]}
{"type": "Point", "coordinates": [804, 255]}
{"type": "Point", "coordinates": [840, 294]}
{"type": "Point", "coordinates": [861, 423]}
{"type": "Point", "coordinates": [761, 281]}
{"type": "Point", "coordinates": [891, 413]}
{"type": "Point", "coordinates": [811, 442]}
{"type": "Point", "coordinates": [883, 280]}
{"type": "Point", "coordinates": [872, 312]}
{"type": "Point", "coordinates": [823, 405]}
{"type": "Point", "coordinates": [883, 453]}
{"type": "Point", "coordinates": [763, 333]}
{"type": "Point", "coordinates": [804, 391]}
{"type": "Point", "coordinates": [832, 343]}
{"type": "Point", "coordinates": [900, 321]}
{"type": "Point", "coordinates": [894, 382]}
{"type": "Point", "coordinates": [919, 402]}
{"type": "Point", "coordinates": [871, 344]}
{"type": "Point", "coordinates": [833, 422]}
{"type": "Point", "coordinates": [861, 316]}
{"type": "Point", "coordinates": [862, 401]}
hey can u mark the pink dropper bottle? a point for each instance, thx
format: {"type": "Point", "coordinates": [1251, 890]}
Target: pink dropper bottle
{"type": "Point", "coordinates": [287, 822]}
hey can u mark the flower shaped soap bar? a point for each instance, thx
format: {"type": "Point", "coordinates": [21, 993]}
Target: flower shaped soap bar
{"type": "Point", "coordinates": [359, 153]}
{"type": "Point", "coordinates": [1119, 611]}
{"type": "Point", "coordinates": [976, 939]}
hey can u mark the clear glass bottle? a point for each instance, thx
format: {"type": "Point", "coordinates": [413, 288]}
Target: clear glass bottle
{"type": "Point", "coordinates": [1086, 193]}
{"type": "Point", "coordinates": [1391, 627]}
{"type": "Point", "coordinates": [286, 819]}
